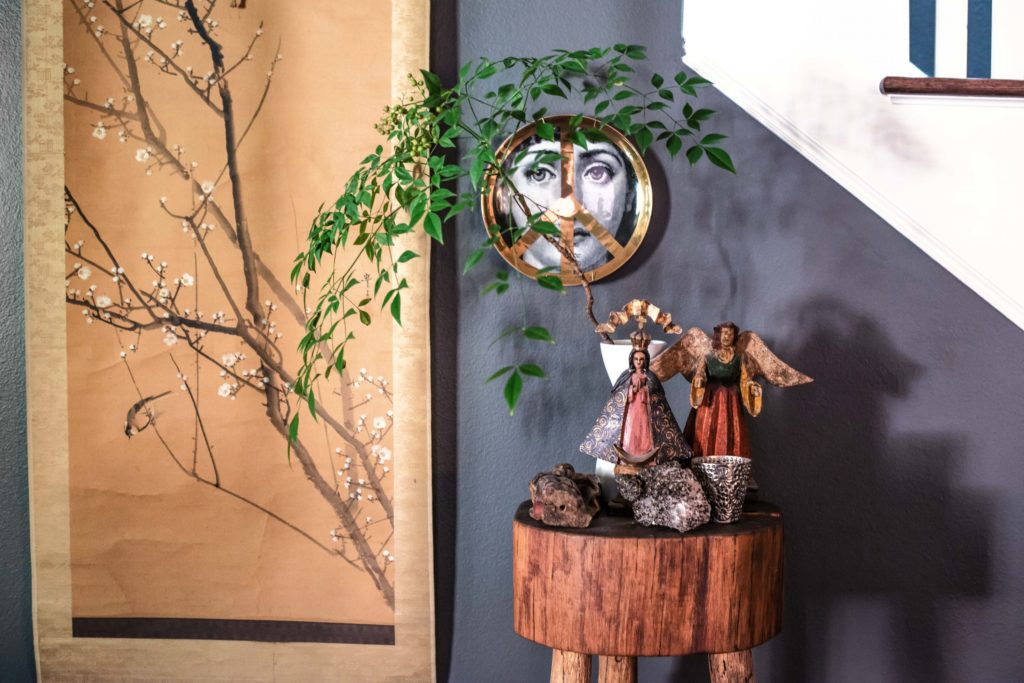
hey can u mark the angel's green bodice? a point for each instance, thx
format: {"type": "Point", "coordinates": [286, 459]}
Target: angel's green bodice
{"type": "Point", "coordinates": [723, 373]}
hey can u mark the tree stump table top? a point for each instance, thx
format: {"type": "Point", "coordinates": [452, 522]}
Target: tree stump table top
{"type": "Point", "coordinates": [620, 588]}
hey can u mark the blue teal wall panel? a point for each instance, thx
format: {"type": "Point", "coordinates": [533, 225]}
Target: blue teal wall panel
{"type": "Point", "coordinates": [979, 38]}
{"type": "Point", "coordinates": [922, 35]}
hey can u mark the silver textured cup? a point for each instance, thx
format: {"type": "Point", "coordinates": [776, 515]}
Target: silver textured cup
{"type": "Point", "coordinates": [724, 480]}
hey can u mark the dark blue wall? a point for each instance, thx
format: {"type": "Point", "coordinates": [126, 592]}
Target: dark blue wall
{"type": "Point", "coordinates": [899, 470]}
{"type": "Point", "coordinates": [16, 659]}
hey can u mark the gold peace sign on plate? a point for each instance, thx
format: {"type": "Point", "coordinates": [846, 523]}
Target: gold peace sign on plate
{"type": "Point", "coordinates": [599, 196]}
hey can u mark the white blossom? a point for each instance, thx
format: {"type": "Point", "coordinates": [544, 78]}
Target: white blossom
{"type": "Point", "coordinates": [170, 339]}
{"type": "Point", "coordinates": [141, 154]}
{"type": "Point", "coordinates": [144, 21]}
{"type": "Point", "coordinates": [84, 273]}
{"type": "Point", "coordinates": [379, 423]}
{"type": "Point", "coordinates": [225, 390]}
{"type": "Point", "coordinates": [100, 131]}
{"type": "Point", "coordinates": [207, 186]}
{"type": "Point", "coordinates": [187, 280]}
{"type": "Point", "coordinates": [103, 301]}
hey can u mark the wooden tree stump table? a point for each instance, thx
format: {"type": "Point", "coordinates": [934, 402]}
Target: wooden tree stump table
{"type": "Point", "coordinates": [620, 590]}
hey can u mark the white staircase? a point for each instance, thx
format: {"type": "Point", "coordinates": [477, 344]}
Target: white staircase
{"type": "Point", "coordinates": [948, 174]}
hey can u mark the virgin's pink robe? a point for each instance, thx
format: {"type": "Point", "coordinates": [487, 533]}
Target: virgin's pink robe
{"type": "Point", "coordinates": [637, 438]}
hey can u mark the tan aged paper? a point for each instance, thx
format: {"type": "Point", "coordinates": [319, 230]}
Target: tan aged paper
{"type": "Point", "coordinates": [173, 538]}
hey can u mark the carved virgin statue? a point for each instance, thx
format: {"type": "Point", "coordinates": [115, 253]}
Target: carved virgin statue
{"type": "Point", "coordinates": [636, 427]}
{"type": "Point", "coordinates": [723, 372]}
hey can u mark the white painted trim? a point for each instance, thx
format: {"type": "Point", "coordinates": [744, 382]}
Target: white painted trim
{"type": "Point", "coordinates": [858, 186]}
{"type": "Point", "coordinates": [957, 100]}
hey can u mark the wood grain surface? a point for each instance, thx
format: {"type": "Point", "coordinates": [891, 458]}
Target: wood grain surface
{"type": "Point", "coordinates": [616, 669]}
{"type": "Point", "coordinates": [618, 588]}
{"type": "Point", "coordinates": [966, 87]}
{"type": "Point", "coordinates": [732, 667]}
{"type": "Point", "coordinates": [570, 667]}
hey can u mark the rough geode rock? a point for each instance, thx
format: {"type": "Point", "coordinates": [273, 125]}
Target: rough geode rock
{"type": "Point", "coordinates": [564, 497]}
{"type": "Point", "coordinates": [666, 495]}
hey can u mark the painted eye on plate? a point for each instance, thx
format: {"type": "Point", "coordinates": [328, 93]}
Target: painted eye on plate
{"type": "Point", "coordinates": [598, 173]}
{"type": "Point", "coordinates": [541, 174]}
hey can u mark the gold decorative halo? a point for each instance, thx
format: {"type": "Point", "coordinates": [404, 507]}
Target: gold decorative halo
{"type": "Point", "coordinates": [569, 211]}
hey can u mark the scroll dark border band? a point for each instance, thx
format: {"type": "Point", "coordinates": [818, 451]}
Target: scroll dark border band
{"type": "Point", "coordinates": [233, 629]}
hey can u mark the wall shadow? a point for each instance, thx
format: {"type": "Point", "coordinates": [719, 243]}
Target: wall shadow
{"type": "Point", "coordinates": [885, 519]}
{"type": "Point", "coordinates": [871, 516]}
{"type": "Point", "coordinates": [661, 213]}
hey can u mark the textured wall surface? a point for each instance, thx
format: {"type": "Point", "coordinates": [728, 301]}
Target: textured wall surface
{"type": "Point", "coordinates": [898, 470]}
{"type": "Point", "coordinates": [16, 660]}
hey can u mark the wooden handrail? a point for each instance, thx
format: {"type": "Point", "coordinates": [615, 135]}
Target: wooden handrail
{"type": "Point", "coordinates": [958, 87]}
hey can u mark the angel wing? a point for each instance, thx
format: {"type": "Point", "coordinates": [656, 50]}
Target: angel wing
{"type": "Point", "coordinates": [759, 360]}
{"type": "Point", "coordinates": [683, 357]}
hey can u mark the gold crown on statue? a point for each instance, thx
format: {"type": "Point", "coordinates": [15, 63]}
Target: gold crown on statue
{"type": "Point", "coordinates": [640, 340]}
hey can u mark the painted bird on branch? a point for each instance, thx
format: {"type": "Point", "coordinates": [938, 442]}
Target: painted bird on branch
{"type": "Point", "coordinates": [139, 415]}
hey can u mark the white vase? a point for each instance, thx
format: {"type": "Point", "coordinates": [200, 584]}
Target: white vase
{"type": "Point", "coordinates": [616, 359]}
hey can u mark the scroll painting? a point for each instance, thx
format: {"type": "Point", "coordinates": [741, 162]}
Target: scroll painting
{"type": "Point", "coordinates": [180, 532]}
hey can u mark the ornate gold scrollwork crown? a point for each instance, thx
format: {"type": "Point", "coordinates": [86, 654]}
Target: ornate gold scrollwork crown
{"type": "Point", "coordinates": [639, 310]}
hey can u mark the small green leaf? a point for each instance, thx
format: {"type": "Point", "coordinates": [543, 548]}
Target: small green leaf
{"type": "Point", "coordinates": [499, 373]}
{"type": "Point", "coordinates": [474, 257]}
{"type": "Point", "coordinates": [545, 131]}
{"type": "Point", "coordinates": [712, 138]}
{"type": "Point", "coordinates": [432, 81]}
{"type": "Point", "coordinates": [644, 138]}
{"type": "Point", "coordinates": [513, 389]}
{"type": "Point", "coordinates": [396, 308]}
{"type": "Point", "coordinates": [432, 226]}
{"type": "Point", "coordinates": [719, 157]}
{"type": "Point", "coordinates": [552, 282]}
{"type": "Point", "coordinates": [694, 154]}
{"type": "Point", "coordinates": [364, 317]}
{"type": "Point", "coordinates": [674, 144]}
{"type": "Point", "coordinates": [407, 256]}
{"type": "Point", "coordinates": [417, 208]}
{"type": "Point", "coordinates": [538, 334]}
{"type": "Point", "coordinates": [546, 228]}
{"type": "Point", "coordinates": [657, 80]}
{"type": "Point", "coordinates": [476, 172]}
{"type": "Point", "coordinates": [311, 403]}
{"type": "Point", "coordinates": [532, 370]}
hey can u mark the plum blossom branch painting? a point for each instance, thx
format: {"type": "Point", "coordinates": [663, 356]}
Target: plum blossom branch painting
{"type": "Point", "coordinates": [199, 138]}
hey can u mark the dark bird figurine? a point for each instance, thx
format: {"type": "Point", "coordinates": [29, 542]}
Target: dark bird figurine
{"type": "Point", "coordinates": [139, 416]}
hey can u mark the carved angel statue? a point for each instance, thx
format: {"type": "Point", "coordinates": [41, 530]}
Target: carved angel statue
{"type": "Point", "coordinates": [723, 373]}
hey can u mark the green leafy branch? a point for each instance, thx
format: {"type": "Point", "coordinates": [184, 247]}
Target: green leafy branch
{"type": "Point", "coordinates": [411, 184]}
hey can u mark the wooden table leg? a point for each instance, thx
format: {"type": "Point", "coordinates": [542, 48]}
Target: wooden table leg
{"type": "Point", "coordinates": [732, 667]}
{"type": "Point", "coordinates": [616, 669]}
{"type": "Point", "coordinates": [569, 667]}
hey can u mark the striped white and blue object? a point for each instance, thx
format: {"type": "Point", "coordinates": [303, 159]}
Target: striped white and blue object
{"type": "Point", "coordinates": [972, 38]}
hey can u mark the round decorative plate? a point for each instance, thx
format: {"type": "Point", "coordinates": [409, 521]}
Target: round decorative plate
{"type": "Point", "coordinates": [597, 195]}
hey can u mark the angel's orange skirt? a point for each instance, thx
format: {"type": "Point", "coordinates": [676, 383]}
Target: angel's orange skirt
{"type": "Point", "coordinates": [718, 427]}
